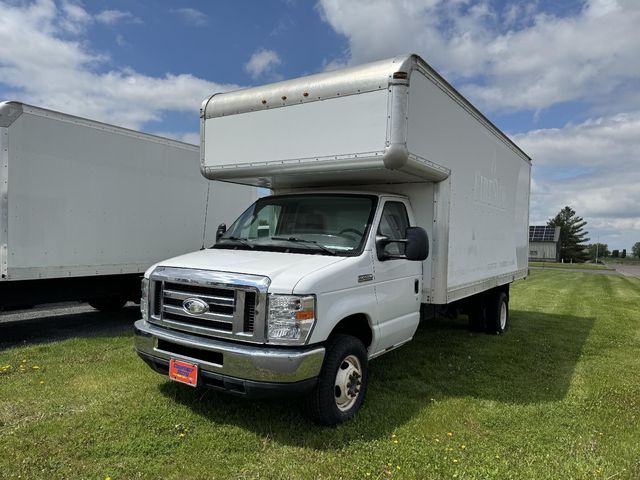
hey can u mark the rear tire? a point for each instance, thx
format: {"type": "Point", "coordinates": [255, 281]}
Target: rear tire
{"type": "Point", "coordinates": [477, 314]}
{"type": "Point", "coordinates": [342, 383]}
{"type": "Point", "coordinates": [497, 316]}
{"type": "Point", "coordinates": [108, 304]}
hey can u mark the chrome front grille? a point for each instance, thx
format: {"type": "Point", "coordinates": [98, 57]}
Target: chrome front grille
{"type": "Point", "coordinates": [221, 302]}
{"type": "Point", "coordinates": [235, 303]}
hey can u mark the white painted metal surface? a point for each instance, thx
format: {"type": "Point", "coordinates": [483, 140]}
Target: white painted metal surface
{"type": "Point", "coordinates": [483, 208]}
{"type": "Point", "coordinates": [415, 135]}
{"type": "Point", "coordinates": [349, 128]}
{"type": "Point", "coordinates": [84, 198]}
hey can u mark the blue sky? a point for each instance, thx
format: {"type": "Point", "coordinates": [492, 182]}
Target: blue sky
{"type": "Point", "coordinates": [561, 78]}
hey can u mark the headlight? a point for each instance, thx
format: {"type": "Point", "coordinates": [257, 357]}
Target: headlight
{"type": "Point", "coordinates": [291, 318]}
{"type": "Point", "coordinates": [144, 299]}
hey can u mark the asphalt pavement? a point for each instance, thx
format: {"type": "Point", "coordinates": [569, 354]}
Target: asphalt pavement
{"type": "Point", "coordinates": [51, 323]}
{"type": "Point", "coordinates": [627, 270]}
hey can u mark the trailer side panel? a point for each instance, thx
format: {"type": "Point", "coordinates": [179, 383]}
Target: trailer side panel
{"type": "Point", "coordinates": [85, 198]}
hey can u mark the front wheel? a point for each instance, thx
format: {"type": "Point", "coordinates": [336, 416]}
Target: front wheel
{"type": "Point", "coordinates": [108, 304]}
{"type": "Point", "coordinates": [342, 383]}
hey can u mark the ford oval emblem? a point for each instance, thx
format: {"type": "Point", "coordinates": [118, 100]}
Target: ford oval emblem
{"type": "Point", "coordinates": [195, 306]}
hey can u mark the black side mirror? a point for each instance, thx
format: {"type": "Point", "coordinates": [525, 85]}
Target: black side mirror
{"type": "Point", "coordinates": [222, 228]}
{"type": "Point", "coordinates": [416, 245]}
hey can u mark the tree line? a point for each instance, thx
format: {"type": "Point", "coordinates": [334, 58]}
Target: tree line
{"type": "Point", "coordinates": [573, 240]}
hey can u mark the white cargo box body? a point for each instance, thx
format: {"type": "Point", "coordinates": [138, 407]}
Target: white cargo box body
{"type": "Point", "coordinates": [84, 198]}
{"type": "Point", "coordinates": [394, 126]}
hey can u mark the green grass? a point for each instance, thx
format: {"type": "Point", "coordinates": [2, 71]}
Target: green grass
{"type": "Point", "coordinates": [577, 266]}
{"type": "Point", "coordinates": [558, 397]}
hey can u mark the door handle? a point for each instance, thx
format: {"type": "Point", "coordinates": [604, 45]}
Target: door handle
{"type": "Point", "coordinates": [416, 286]}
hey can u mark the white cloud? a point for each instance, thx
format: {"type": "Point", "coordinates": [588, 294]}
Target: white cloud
{"type": "Point", "coordinates": [594, 167]}
{"type": "Point", "coordinates": [520, 58]}
{"type": "Point", "coordinates": [41, 64]}
{"type": "Point", "coordinates": [262, 62]}
{"type": "Point", "coordinates": [121, 41]}
{"type": "Point", "coordinates": [192, 16]}
{"type": "Point", "coordinates": [510, 59]}
{"type": "Point", "coordinates": [112, 17]}
{"type": "Point", "coordinates": [75, 18]}
{"type": "Point", "coordinates": [602, 142]}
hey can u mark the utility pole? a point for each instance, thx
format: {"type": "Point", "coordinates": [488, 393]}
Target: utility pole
{"type": "Point", "coordinates": [597, 245]}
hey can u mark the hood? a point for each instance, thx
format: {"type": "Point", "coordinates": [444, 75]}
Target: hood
{"type": "Point", "coordinates": [284, 269]}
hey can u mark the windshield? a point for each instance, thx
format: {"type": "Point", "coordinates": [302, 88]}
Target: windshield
{"type": "Point", "coordinates": [326, 224]}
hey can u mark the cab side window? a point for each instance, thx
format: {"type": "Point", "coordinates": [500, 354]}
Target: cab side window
{"type": "Point", "coordinates": [393, 224]}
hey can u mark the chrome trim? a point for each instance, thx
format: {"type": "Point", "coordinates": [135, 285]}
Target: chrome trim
{"type": "Point", "coordinates": [388, 349]}
{"type": "Point", "coordinates": [240, 361]}
{"type": "Point", "coordinates": [216, 317]}
{"type": "Point", "coordinates": [238, 286]}
{"type": "Point", "coordinates": [318, 87]}
{"type": "Point", "coordinates": [221, 301]}
{"type": "Point", "coordinates": [4, 201]}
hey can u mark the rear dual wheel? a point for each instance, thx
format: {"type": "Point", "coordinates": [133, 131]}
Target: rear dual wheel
{"type": "Point", "coordinates": [497, 314]}
{"type": "Point", "coordinates": [490, 313]}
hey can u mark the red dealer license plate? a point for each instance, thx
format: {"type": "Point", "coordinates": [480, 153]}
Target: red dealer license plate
{"type": "Point", "coordinates": [183, 372]}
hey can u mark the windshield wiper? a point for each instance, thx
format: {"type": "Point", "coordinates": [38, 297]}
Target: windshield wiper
{"type": "Point", "coordinates": [242, 241]}
{"type": "Point", "coordinates": [302, 240]}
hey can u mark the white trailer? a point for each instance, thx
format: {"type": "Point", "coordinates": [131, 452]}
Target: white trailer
{"type": "Point", "coordinates": [86, 207]}
{"type": "Point", "coordinates": [369, 166]}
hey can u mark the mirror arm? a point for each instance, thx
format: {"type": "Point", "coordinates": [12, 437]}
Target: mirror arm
{"type": "Point", "coordinates": [382, 242]}
{"type": "Point", "coordinates": [222, 229]}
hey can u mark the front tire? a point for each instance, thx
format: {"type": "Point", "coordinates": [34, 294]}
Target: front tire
{"type": "Point", "coordinates": [342, 383]}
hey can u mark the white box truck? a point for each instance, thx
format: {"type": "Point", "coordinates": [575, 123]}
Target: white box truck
{"type": "Point", "coordinates": [392, 195]}
{"type": "Point", "coordinates": [86, 207]}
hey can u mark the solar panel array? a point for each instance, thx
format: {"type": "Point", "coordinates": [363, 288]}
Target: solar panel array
{"type": "Point", "coordinates": [541, 233]}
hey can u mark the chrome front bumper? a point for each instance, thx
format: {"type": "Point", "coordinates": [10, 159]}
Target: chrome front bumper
{"type": "Point", "coordinates": [243, 362]}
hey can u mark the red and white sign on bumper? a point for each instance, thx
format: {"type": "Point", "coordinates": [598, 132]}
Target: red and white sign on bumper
{"type": "Point", "coordinates": [183, 372]}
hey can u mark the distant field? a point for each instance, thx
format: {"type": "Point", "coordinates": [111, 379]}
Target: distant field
{"type": "Point", "coordinates": [577, 266]}
{"type": "Point", "coordinates": [557, 397]}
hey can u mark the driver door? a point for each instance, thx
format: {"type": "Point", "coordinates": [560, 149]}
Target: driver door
{"type": "Point", "coordinates": [398, 280]}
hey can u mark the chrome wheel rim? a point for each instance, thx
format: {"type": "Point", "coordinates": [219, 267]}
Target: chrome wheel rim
{"type": "Point", "coordinates": [503, 315]}
{"type": "Point", "coordinates": [348, 383]}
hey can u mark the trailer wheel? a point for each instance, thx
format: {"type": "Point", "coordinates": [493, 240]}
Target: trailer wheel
{"type": "Point", "coordinates": [342, 383]}
{"type": "Point", "coordinates": [497, 313]}
{"type": "Point", "coordinates": [108, 304]}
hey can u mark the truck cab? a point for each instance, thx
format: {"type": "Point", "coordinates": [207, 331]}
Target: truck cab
{"type": "Point", "coordinates": [256, 310]}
